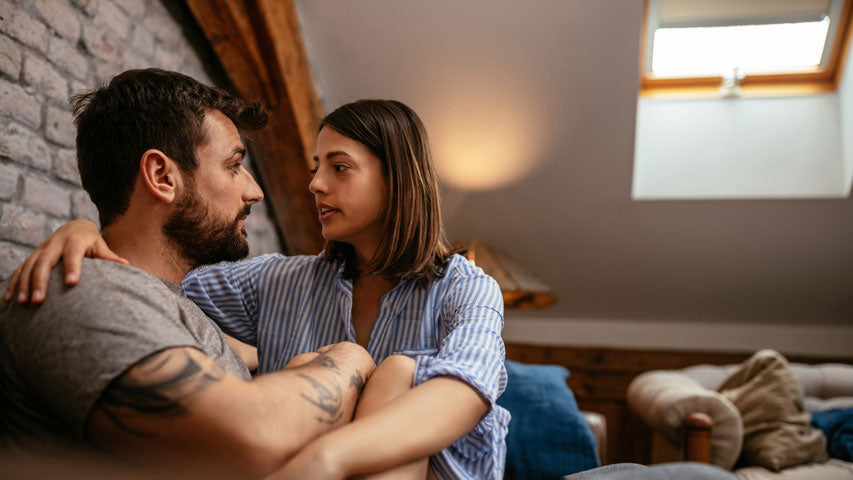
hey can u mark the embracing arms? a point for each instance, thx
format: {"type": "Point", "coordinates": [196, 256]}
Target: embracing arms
{"type": "Point", "coordinates": [178, 411]}
{"type": "Point", "coordinates": [448, 395]}
{"type": "Point", "coordinates": [415, 425]}
{"type": "Point", "coordinates": [72, 242]}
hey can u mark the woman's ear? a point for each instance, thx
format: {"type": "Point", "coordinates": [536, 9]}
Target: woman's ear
{"type": "Point", "coordinates": [160, 175]}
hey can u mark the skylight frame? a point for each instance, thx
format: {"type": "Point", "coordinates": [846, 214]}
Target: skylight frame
{"type": "Point", "coordinates": [820, 79]}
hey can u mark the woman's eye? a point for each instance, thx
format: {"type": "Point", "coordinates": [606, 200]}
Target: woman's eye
{"type": "Point", "coordinates": [340, 168]}
{"type": "Point", "coordinates": [313, 171]}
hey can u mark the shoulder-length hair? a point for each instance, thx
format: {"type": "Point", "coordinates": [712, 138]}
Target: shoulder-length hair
{"type": "Point", "coordinates": [412, 243]}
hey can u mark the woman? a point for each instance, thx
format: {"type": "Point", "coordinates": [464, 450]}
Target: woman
{"type": "Point", "coordinates": [388, 281]}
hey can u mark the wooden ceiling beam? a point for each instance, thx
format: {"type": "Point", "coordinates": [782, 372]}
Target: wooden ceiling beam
{"type": "Point", "coordinates": [260, 47]}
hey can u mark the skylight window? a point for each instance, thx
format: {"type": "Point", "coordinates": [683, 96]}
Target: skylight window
{"type": "Point", "coordinates": [718, 46]}
{"type": "Point", "coordinates": [773, 48]}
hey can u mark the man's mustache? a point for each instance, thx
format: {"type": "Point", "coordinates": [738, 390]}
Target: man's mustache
{"type": "Point", "coordinates": [247, 209]}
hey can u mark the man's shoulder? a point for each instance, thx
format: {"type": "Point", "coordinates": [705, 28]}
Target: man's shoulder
{"type": "Point", "coordinates": [102, 284]}
{"type": "Point", "coordinates": [107, 271]}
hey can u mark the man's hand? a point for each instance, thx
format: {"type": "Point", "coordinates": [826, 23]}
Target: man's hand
{"type": "Point", "coordinates": [72, 242]}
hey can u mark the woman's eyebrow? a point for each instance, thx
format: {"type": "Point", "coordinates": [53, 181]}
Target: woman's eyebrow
{"type": "Point", "coordinates": [330, 155]}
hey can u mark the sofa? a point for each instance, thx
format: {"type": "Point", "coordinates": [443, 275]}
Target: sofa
{"type": "Point", "coordinates": [685, 408]}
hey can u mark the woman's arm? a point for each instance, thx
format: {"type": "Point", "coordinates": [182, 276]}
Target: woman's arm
{"type": "Point", "coordinates": [415, 425]}
{"type": "Point", "coordinates": [453, 391]}
{"type": "Point", "coordinates": [246, 352]}
{"type": "Point", "coordinates": [72, 242]}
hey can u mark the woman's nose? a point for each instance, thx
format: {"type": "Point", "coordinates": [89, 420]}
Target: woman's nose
{"type": "Point", "coordinates": [315, 186]}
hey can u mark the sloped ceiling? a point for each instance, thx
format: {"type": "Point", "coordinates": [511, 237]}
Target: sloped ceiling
{"type": "Point", "coordinates": [534, 103]}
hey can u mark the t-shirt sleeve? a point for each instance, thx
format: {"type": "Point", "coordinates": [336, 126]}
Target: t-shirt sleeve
{"type": "Point", "coordinates": [471, 349]}
{"type": "Point", "coordinates": [228, 293]}
{"type": "Point", "coordinates": [71, 347]}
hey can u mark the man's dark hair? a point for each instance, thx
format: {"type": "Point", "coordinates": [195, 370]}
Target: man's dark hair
{"type": "Point", "coordinates": [139, 110]}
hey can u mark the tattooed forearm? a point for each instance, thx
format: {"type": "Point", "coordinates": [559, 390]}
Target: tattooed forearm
{"type": "Point", "coordinates": [325, 362]}
{"type": "Point", "coordinates": [156, 387]}
{"type": "Point", "coordinates": [357, 381]}
{"type": "Point", "coordinates": [329, 400]}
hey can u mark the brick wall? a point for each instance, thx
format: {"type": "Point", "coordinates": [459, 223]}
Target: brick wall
{"type": "Point", "coordinates": [49, 50]}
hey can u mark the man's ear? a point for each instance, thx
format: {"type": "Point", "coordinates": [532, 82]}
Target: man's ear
{"type": "Point", "coordinates": [160, 175]}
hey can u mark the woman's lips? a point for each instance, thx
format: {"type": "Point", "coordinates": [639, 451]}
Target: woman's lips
{"type": "Point", "coordinates": [326, 211]}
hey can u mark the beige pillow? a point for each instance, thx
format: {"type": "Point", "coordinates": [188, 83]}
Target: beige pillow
{"type": "Point", "coordinates": [777, 432]}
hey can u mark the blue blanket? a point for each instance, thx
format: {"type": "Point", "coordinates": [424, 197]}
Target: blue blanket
{"type": "Point", "coordinates": [837, 426]}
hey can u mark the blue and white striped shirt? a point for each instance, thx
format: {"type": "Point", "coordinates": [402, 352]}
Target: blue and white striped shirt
{"type": "Point", "coordinates": [292, 305]}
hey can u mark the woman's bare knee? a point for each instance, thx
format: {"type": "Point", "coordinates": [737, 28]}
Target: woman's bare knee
{"type": "Point", "coordinates": [392, 378]}
{"type": "Point", "coordinates": [397, 367]}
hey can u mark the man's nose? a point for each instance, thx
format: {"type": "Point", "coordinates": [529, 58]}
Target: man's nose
{"type": "Point", "coordinates": [253, 192]}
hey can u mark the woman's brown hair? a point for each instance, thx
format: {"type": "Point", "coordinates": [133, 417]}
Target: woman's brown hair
{"type": "Point", "coordinates": [413, 243]}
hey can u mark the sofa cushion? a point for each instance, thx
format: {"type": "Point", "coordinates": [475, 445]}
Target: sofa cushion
{"type": "Point", "coordinates": [664, 398]}
{"type": "Point", "coordinates": [776, 429]}
{"type": "Point", "coordinates": [548, 437]}
{"type": "Point", "coordinates": [832, 470]}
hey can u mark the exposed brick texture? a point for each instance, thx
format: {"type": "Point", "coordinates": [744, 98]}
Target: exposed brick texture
{"type": "Point", "coordinates": [11, 256]}
{"type": "Point", "coordinates": [22, 26]}
{"type": "Point", "coordinates": [50, 50]}
{"type": "Point", "coordinates": [24, 146]}
{"type": "Point", "coordinates": [68, 58]}
{"type": "Point", "coordinates": [65, 165]}
{"type": "Point", "coordinates": [113, 18]}
{"type": "Point", "coordinates": [82, 206]}
{"type": "Point", "coordinates": [21, 225]}
{"type": "Point", "coordinates": [60, 17]}
{"type": "Point", "coordinates": [40, 74]}
{"type": "Point", "coordinates": [47, 197]}
{"type": "Point", "coordinates": [89, 7]}
{"type": "Point", "coordinates": [10, 57]}
{"type": "Point", "coordinates": [59, 126]}
{"type": "Point", "coordinates": [19, 104]}
{"type": "Point", "coordinates": [8, 181]}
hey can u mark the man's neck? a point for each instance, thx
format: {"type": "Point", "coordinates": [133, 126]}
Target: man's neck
{"type": "Point", "coordinates": [146, 247]}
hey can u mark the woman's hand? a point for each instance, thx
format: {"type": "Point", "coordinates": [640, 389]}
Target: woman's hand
{"type": "Point", "coordinates": [72, 242]}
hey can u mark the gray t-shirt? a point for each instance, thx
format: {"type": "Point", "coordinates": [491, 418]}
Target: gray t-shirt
{"type": "Point", "coordinates": [59, 357]}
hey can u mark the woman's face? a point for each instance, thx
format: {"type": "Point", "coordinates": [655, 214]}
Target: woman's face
{"type": "Point", "coordinates": [349, 189]}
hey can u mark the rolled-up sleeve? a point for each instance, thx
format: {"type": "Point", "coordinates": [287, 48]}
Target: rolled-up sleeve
{"type": "Point", "coordinates": [471, 347]}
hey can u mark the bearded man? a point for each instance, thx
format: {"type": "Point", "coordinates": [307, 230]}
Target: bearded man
{"type": "Point", "coordinates": [122, 362]}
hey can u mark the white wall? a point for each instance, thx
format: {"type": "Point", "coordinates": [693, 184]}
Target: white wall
{"type": "Point", "coordinates": [783, 147]}
{"type": "Point", "coordinates": [566, 72]}
{"type": "Point", "coordinates": [845, 96]}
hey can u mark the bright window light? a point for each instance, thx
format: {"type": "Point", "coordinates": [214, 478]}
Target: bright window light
{"type": "Point", "coordinates": [784, 47]}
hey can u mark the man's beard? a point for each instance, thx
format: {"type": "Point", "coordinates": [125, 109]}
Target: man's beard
{"type": "Point", "coordinates": [202, 240]}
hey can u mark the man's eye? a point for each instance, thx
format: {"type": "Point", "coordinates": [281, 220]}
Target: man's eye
{"type": "Point", "coordinates": [340, 168]}
{"type": "Point", "coordinates": [236, 167]}
{"type": "Point", "coordinates": [313, 171]}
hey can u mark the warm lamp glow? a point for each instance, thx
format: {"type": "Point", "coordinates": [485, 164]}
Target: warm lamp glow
{"type": "Point", "coordinates": [485, 130]}
{"type": "Point", "coordinates": [480, 150]}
